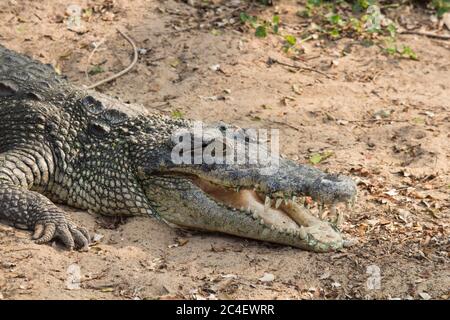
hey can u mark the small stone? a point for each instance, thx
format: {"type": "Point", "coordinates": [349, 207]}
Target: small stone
{"type": "Point", "coordinates": [97, 237]}
{"type": "Point", "coordinates": [215, 67]}
{"type": "Point", "coordinates": [142, 51]}
{"type": "Point", "coordinates": [424, 295]}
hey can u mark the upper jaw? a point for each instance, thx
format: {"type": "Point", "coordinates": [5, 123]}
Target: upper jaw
{"type": "Point", "coordinates": [288, 181]}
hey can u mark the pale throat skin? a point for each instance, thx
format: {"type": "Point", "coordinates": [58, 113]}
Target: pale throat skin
{"type": "Point", "coordinates": [62, 144]}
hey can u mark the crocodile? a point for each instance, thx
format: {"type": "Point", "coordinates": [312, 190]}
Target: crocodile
{"type": "Point", "coordinates": [63, 144]}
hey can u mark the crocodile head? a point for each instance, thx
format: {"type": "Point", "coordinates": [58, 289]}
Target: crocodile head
{"type": "Point", "coordinates": [195, 179]}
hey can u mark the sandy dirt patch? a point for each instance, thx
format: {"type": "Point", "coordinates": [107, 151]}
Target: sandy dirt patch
{"type": "Point", "coordinates": [401, 219]}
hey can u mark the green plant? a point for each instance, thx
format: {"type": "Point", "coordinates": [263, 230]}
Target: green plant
{"type": "Point", "coordinates": [361, 5]}
{"type": "Point", "coordinates": [290, 42]}
{"type": "Point", "coordinates": [96, 70]}
{"type": "Point", "coordinates": [177, 114]}
{"type": "Point", "coordinates": [261, 26]}
{"type": "Point", "coordinates": [360, 19]}
{"type": "Point", "coordinates": [409, 53]}
{"type": "Point", "coordinates": [317, 158]}
{"type": "Point", "coordinates": [392, 49]}
{"type": "Point", "coordinates": [276, 24]}
{"type": "Point", "coordinates": [441, 6]}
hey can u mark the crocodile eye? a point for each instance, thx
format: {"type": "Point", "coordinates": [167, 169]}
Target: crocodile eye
{"type": "Point", "coordinates": [92, 105]}
{"type": "Point", "coordinates": [99, 128]}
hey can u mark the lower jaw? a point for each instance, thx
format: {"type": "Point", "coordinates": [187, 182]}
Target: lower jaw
{"type": "Point", "coordinates": [286, 222]}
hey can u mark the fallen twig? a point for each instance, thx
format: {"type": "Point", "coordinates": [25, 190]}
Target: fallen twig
{"type": "Point", "coordinates": [97, 45]}
{"type": "Point", "coordinates": [371, 120]}
{"type": "Point", "coordinates": [103, 286]}
{"type": "Point", "coordinates": [330, 116]}
{"type": "Point", "coordinates": [287, 125]}
{"type": "Point", "coordinates": [22, 249]}
{"type": "Point", "coordinates": [427, 34]}
{"type": "Point", "coordinates": [271, 61]}
{"type": "Point", "coordinates": [121, 73]}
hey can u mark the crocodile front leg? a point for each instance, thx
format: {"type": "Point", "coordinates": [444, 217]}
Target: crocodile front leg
{"type": "Point", "coordinates": [30, 210]}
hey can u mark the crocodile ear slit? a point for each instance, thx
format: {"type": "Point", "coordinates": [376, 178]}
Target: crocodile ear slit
{"type": "Point", "coordinates": [34, 96]}
{"type": "Point", "coordinates": [99, 128]}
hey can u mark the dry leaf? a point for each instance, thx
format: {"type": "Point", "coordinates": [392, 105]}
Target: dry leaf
{"type": "Point", "coordinates": [336, 285]}
{"type": "Point", "coordinates": [392, 192]}
{"type": "Point", "coordinates": [296, 88]}
{"type": "Point", "coordinates": [446, 20]}
{"type": "Point", "coordinates": [267, 277]}
{"type": "Point", "coordinates": [182, 241]}
{"type": "Point", "coordinates": [229, 276]}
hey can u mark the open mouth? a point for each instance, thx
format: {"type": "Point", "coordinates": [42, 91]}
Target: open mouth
{"type": "Point", "coordinates": [283, 215]}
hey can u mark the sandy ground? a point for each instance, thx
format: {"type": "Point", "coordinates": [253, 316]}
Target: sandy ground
{"type": "Point", "coordinates": [401, 219]}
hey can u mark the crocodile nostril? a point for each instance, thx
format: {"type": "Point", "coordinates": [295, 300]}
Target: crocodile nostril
{"type": "Point", "coordinates": [333, 178]}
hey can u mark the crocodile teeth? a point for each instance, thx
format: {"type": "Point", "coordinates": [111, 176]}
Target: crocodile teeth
{"type": "Point", "coordinates": [255, 215]}
{"type": "Point", "coordinates": [278, 203]}
{"type": "Point", "coordinates": [321, 206]}
{"type": "Point", "coordinates": [262, 222]}
{"type": "Point", "coordinates": [272, 227]}
{"type": "Point", "coordinates": [267, 203]}
{"type": "Point", "coordinates": [340, 219]}
{"type": "Point", "coordinates": [294, 199]}
{"type": "Point", "coordinates": [302, 233]}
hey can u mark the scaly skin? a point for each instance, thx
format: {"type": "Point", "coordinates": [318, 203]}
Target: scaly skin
{"type": "Point", "coordinates": [60, 144]}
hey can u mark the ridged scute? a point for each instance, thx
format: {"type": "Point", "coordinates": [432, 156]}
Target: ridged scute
{"type": "Point", "coordinates": [114, 116]}
{"type": "Point", "coordinates": [92, 105]}
{"type": "Point", "coordinates": [20, 76]}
